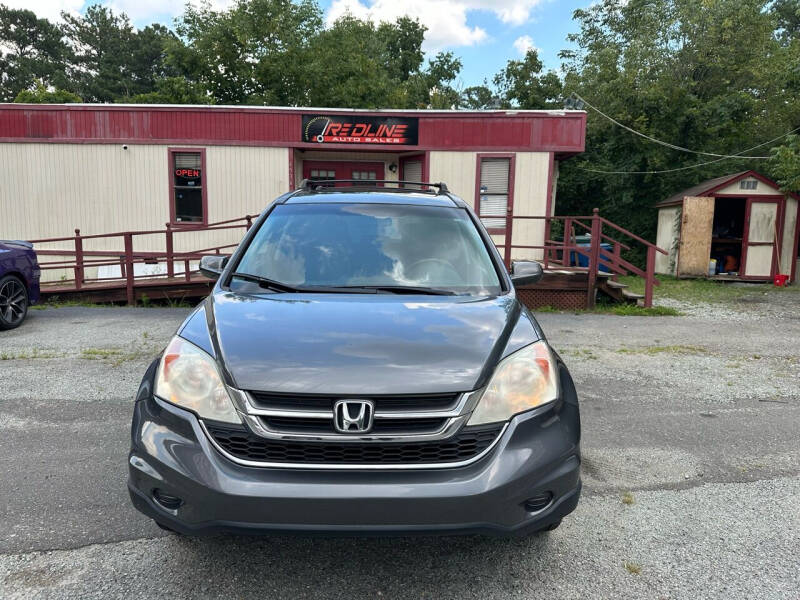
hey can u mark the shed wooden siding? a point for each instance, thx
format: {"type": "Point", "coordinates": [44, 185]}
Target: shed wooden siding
{"type": "Point", "coordinates": [554, 131]}
{"type": "Point", "coordinates": [788, 249]}
{"type": "Point", "coordinates": [695, 239]}
{"type": "Point", "coordinates": [762, 189]}
{"type": "Point", "coordinates": [669, 230]}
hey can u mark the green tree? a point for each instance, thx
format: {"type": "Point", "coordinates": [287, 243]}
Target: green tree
{"type": "Point", "coordinates": [348, 67]}
{"type": "Point", "coordinates": [172, 90]}
{"type": "Point", "coordinates": [102, 44]}
{"type": "Point", "coordinates": [402, 51]}
{"type": "Point", "coordinates": [41, 95]}
{"type": "Point", "coordinates": [434, 86]}
{"type": "Point", "coordinates": [479, 97]}
{"type": "Point", "coordinates": [31, 50]}
{"type": "Point", "coordinates": [785, 164]}
{"type": "Point", "coordinates": [711, 75]}
{"type": "Point", "coordinates": [257, 52]}
{"type": "Point", "coordinates": [522, 84]}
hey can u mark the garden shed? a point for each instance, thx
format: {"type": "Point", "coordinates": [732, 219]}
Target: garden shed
{"type": "Point", "coordinates": [739, 226]}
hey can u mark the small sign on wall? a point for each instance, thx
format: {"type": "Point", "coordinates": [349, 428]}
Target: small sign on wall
{"type": "Point", "coordinates": [188, 177]}
{"type": "Point", "coordinates": [355, 129]}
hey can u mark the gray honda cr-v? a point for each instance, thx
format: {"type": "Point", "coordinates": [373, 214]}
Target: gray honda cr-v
{"type": "Point", "coordinates": [363, 365]}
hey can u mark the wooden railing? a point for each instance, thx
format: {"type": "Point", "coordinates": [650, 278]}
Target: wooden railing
{"type": "Point", "coordinates": [77, 260]}
{"type": "Point", "coordinates": [560, 253]}
{"type": "Point", "coordinates": [555, 253]}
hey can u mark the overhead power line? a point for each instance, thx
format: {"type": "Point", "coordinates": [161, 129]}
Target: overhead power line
{"type": "Point", "coordinates": [738, 155]}
{"type": "Point", "coordinates": [661, 142]}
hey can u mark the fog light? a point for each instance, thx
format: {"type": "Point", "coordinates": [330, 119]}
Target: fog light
{"type": "Point", "coordinates": [168, 501]}
{"type": "Point", "coordinates": [539, 502]}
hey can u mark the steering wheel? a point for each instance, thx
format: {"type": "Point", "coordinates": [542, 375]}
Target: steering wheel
{"type": "Point", "coordinates": [436, 261]}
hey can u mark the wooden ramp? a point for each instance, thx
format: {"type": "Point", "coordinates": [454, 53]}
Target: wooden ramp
{"type": "Point", "coordinates": [574, 270]}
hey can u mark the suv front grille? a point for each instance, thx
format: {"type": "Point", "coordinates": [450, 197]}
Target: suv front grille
{"type": "Point", "coordinates": [422, 402]}
{"type": "Point", "coordinates": [325, 426]}
{"type": "Point", "coordinates": [242, 444]}
{"type": "Point", "coordinates": [312, 415]}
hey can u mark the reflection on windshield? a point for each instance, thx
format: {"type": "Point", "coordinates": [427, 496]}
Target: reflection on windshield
{"type": "Point", "coordinates": [371, 245]}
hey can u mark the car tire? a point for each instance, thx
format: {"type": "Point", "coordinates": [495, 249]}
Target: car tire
{"type": "Point", "coordinates": [13, 302]}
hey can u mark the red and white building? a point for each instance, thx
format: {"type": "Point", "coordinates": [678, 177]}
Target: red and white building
{"type": "Point", "coordinates": [105, 168]}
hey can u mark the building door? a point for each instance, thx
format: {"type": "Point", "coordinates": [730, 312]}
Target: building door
{"type": "Point", "coordinates": [318, 170]}
{"type": "Point", "coordinates": [761, 236]}
{"type": "Point", "coordinates": [695, 247]}
{"type": "Point", "coordinates": [412, 168]}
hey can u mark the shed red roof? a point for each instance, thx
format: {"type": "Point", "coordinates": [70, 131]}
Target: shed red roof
{"type": "Point", "coordinates": [711, 185]}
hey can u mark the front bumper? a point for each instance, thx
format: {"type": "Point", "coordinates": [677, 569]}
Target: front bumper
{"type": "Point", "coordinates": [537, 453]}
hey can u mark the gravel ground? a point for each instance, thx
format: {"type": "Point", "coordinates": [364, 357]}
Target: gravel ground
{"type": "Point", "coordinates": [691, 473]}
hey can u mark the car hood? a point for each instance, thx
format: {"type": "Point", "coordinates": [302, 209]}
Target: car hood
{"type": "Point", "coordinates": [363, 344]}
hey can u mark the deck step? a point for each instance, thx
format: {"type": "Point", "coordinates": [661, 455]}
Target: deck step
{"type": "Point", "coordinates": [616, 284]}
{"type": "Point", "coordinates": [632, 295]}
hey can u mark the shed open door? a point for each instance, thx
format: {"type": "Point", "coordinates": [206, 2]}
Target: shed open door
{"type": "Point", "coordinates": [695, 247]}
{"type": "Point", "coordinates": [760, 238]}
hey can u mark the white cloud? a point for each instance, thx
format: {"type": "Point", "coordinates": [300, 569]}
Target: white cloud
{"type": "Point", "coordinates": [140, 11]}
{"type": "Point", "coordinates": [446, 19]}
{"type": "Point", "coordinates": [47, 9]}
{"type": "Point", "coordinates": [524, 43]}
{"type": "Point", "coordinates": [147, 11]}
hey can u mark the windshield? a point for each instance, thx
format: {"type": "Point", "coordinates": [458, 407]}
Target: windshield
{"type": "Point", "coordinates": [370, 245]}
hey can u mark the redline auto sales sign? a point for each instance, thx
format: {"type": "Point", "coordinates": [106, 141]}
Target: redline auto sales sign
{"type": "Point", "coordinates": [354, 129]}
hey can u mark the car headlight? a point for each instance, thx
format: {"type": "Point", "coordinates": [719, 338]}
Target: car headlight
{"type": "Point", "coordinates": [188, 377]}
{"type": "Point", "coordinates": [523, 380]}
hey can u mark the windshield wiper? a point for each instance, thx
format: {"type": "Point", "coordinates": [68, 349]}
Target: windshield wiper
{"type": "Point", "coordinates": [270, 284]}
{"type": "Point", "coordinates": [278, 286]}
{"type": "Point", "coordinates": [404, 289]}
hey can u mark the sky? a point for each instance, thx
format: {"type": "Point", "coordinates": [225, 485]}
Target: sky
{"type": "Point", "coordinates": [484, 33]}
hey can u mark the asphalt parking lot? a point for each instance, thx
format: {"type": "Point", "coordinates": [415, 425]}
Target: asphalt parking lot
{"type": "Point", "coordinates": [691, 474]}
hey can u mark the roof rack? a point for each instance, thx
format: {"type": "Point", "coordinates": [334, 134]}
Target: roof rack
{"type": "Point", "coordinates": [321, 184]}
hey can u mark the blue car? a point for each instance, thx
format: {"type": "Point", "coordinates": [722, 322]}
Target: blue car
{"type": "Point", "coordinates": [19, 282]}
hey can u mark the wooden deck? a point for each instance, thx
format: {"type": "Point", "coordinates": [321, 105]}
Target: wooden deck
{"type": "Point", "coordinates": [160, 288]}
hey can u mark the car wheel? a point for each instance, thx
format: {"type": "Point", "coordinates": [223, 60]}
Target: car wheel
{"type": "Point", "coordinates": [13, 302]}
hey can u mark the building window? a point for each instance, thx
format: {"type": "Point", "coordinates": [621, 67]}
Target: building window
{"type": "Point", "coordinates": [493, 192]}
{"type": "Point", "coordinates": [322, 175]}
{"type": "Point", "coordinates": [364, 176]}
{"type": "Point", "coordinates": [188, 187]}
{"type": "Point", "coordinates": [748, 184]}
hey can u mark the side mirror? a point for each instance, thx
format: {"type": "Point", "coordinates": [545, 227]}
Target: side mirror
{"type": "Point", "coordinates": [211, 266]}
{"type": "Point", "coordinates": [525, 272]}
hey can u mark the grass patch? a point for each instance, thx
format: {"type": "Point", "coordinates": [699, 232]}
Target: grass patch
{"type": "Point", "coordinates": [581, 353]}
{"type": "Point", "coordinates": [627, 498]}
{"type": "Point", "coordinates": [54, 302]}
{"type": "Point", "coordinates": [634, 310]}
{"type": "Point", "coordinates": [632, 568]}
{"type": "Point", "coordinates": [114, 356]}
{"type": "Point", "coordinates": [98, 353]}
{"type": "Point", "coordinates": [547, 309]}
{"type": "Point", "coordinates": [28, 355]}
{"type": "Point", "coordinates": [674, 349]}
{"type": "Point", "coordinates": [144, 302]}
{"type": "Point", "coordinates": [622, 310]}
{"type": "Point", "coordinates": [704, 290]}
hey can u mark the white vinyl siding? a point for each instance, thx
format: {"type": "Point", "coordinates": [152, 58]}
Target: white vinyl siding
{"type": "Point", "coordinates": [494, 191]}
{"type": "Point", "coordinates": [50, 189]}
